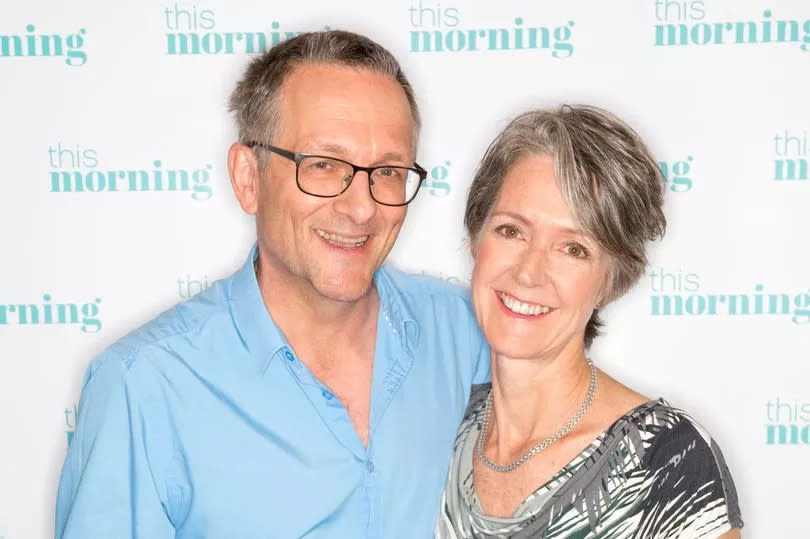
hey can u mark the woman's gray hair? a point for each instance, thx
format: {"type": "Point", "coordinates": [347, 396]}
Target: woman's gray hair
{"type": "Point", "coordinates": [255, 99]}
{"type": "Point", "coordinates": [606, 174]}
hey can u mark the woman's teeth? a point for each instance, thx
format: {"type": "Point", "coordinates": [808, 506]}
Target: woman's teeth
{"type": "Point", "coordinates": [519, 307]}
{"type": "Point", "coordinates": [342, 241]}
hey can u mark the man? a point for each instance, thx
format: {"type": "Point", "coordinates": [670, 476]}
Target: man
{"type": "Point", "coordinates": [313, 393]}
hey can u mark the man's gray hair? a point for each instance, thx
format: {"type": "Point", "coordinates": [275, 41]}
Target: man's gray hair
{"type": "Point", "coordinates": [255, 99]}
{"type": "Point", "coordinates": [606, 174]}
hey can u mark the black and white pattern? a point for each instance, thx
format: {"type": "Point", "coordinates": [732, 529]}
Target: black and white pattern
{"type": "Point", "coordinates": [654, 474]}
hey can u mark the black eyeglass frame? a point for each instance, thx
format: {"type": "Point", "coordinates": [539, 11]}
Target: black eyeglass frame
{"type": "Point", "coordinates": [297, 157]}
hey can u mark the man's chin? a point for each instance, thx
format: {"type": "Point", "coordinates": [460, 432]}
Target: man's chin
{"type": "Point", "coordinates": [344, 287]}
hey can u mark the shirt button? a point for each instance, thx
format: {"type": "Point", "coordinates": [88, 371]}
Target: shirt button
{"type": "Point", "coordinates": [289, 355]}
{"type": "Point", "coordinates": [369, 466]}
{"type": "Point", "coordinates": [327, 395]}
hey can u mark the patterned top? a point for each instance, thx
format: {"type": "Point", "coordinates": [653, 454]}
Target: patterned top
{"type": "Point", "coordinates": [654, 474]}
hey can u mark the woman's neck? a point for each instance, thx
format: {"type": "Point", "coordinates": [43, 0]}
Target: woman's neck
{"type": "Point", "coordinates": [533, 398]}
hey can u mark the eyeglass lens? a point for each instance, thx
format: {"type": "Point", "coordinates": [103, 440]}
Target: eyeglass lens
{"type": "Point", "coordinates": [329, 177]}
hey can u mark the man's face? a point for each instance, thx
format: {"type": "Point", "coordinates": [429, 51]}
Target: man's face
{"type": "Point", "coordinates": [333, 245]}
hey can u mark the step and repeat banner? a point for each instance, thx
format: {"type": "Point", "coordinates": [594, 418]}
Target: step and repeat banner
{"type": "Point", "coordinates": [115, 202]}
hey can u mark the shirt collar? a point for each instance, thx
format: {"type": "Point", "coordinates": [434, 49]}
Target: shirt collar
{"type": "Point", "coordinates": [262, 337]}
{"type": "Point", "coordinates": [396, 310]}
{"type": "Point", "coordinates": [256, 328]}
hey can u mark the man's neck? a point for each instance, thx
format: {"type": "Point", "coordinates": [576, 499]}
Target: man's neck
{"type": "Point", "coordinates": [315, 325]}
{"type": "Point", "coordinates": [335, 339]}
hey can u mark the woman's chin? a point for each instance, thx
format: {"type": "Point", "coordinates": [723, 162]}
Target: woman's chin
{"type": "Point", "coordinates": [518, 349]}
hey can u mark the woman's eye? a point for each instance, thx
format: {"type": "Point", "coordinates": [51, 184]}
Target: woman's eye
{"type": "Point", "coordinates": [576, 250]}
{"type": "Point", "coordinates": [508, 231]}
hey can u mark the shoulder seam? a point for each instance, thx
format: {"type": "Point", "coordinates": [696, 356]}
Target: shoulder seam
{"type": "Point", "coordinates": [128, 352]}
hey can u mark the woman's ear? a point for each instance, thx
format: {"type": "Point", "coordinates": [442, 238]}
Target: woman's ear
{"type": "Point", "coordinates": [603, 295]}
{"type": "Point", "coordinates": [474, 247]}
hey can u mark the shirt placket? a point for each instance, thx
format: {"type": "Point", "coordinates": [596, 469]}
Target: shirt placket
{"type": "Point", "coordinates": [332, 411]}
{"type": "Point", "coordinates": [392, 360]}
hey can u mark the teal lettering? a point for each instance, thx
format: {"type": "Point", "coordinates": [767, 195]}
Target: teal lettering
{"type": "Point", "coordinates": [743, 36]}
{"type": "Point", "coordinates": [701, 37]}
{"type": "Point", "coordinates": [695, 304]}
{"type": "Point", "coordinates": [100, 183]}
{"type": "Point", "coordinates": [732, 304]}
{"type": "Point", "coordinates": [663, 305]}
{"type": "Point", "coordinates": [788, 434]}
{"type": "Point", "coordinates": [179, 43]}
{"type": "Point", "coordinates": [5, 45]}
{"type": "Point", "coordinates": [207, 45]}
{"type": "Point", "coordinates": [493, 39]}
{"type": "Point", "coordinates": [22, 314]}
{"type": "Point", "coordinates": [562, 47]}
{"type": "Point", "coordinates": [781, 31]}
{"type": "Point", "coordinates": [259, 46]}
{"type": "Point", "coordinates": [430, 41]}
{"type": "Point", "coordinates": [790, 169]}
{"type": "Point", "coordinates": [45, 42]}
{"type": "Point", "coordinates": [70, 182]}
{"type": "Point", "coordinates": [675, 35]}
{"type": "Point", "coordinates": [457, 44]}
{"type": "Point", "coordinates": [90, 322]}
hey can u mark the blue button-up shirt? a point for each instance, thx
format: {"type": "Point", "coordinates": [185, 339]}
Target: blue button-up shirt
{"type": "Point", "coordinates": [204, 423]}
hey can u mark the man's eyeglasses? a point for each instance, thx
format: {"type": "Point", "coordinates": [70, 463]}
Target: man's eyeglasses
{"type": "Point", "coordinates": [324, 176]}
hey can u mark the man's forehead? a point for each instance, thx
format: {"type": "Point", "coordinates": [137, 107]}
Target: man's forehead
{"type": "Point", "coordinates": [313, 78]}
{"type": "Point", "coordinates": [336, 89]}
{"type": "Point", "coordinates": [331, 109]}
{"type": "Point", "coordinates": [330, 147]}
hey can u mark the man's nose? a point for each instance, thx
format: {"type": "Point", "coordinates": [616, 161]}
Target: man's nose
{"type": "Point", "coordinates": [356, 201]}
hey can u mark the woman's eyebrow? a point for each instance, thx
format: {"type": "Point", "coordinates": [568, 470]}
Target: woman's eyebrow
{"type": "Point", "coordinates": [513, 215]}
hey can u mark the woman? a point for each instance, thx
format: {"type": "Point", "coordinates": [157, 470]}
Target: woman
{"type": "Point", "coordinates": [558, 215]}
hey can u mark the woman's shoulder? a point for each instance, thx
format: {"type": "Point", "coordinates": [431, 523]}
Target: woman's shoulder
{"type": "Point", "coordinates": [476, 406]}
{"type": "Point", "coordinates": [669, 436]}
{"type": "Point", "coordinates": [669, 428]}
{"type": "Point", "coordinates": [685, 462]}
{"type": "Point", "coordinates": [478, 399]}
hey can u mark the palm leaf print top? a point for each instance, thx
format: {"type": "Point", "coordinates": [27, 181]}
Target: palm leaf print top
{"type": "Point", "coordinates": [654, 474]}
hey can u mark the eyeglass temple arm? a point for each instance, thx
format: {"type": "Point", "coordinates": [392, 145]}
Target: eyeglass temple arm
{"type": "Point", "coordinates": [284, 153]}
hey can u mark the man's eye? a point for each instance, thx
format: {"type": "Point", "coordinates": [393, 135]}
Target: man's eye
{"type": "Point", "coordinates": [322, 165]}
{"type": "Point", "coordinates": [392, 173]}
{"type": "Point", "coordinates": [508, 231]}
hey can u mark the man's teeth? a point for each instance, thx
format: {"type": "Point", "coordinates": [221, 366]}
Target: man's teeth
{"type": "Point", "coordinates": [516, 306]}
{"type": "Point", "coordinates": [342, 241]}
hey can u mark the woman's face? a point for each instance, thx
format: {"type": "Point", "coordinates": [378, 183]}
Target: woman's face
{"type": "Point", "coordinates": [537, 277]}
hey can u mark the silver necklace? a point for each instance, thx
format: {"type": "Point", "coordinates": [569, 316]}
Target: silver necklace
{"type": "Point", "coordinates": [565, 429]}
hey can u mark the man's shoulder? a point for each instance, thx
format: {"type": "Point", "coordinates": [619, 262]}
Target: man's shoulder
{"type": "Point", "coordinates": [196, 316]}
{"type": "Point", "coordinates": [423, 285]}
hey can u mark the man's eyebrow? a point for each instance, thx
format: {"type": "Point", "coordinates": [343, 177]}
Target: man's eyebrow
{"type": "Point", "coordinates": [328, 147]}
{"type": "Point", "coordinates": [331, 148]}
{"type": "Point", "coordinates": [393, 157]}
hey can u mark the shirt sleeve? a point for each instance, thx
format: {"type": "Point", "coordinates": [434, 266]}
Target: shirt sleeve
{"type": "Point", "coordinates": [111, 484]}
{"type": "Point", "coordinates": [692, 493]}
{"type": "Point", "coordinates": [480, 348]}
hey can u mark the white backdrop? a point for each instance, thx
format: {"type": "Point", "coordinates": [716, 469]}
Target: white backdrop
{"type": "Point", "coordinates": [719, 88]}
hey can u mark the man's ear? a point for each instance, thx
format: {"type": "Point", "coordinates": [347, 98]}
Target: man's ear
{"type": "Point", "coordinates": [243, 169]}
